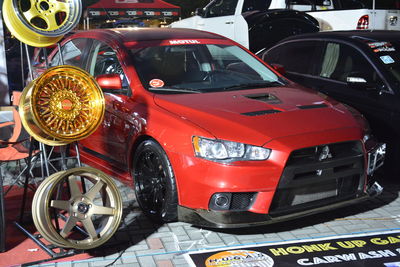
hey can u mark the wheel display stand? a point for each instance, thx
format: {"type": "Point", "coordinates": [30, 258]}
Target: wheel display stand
{"type": "Point", "coordinates": [55, 252]}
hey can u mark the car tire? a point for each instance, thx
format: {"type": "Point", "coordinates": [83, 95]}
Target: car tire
{"type": "Point", "coordinates": [154, 182]}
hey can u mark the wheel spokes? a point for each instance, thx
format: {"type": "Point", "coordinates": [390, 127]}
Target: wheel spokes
{"type": "Point", "coordinates": [31, 14]}
{"type": "Point", "coordinates": [60, 204]}
{"type": "Point", "coordinates": [51, 22]}
{"type": "Point", "coordinates": [94, 190]}
{"type": "Point", "coordinates": [100, 210]}
{"type": "Point", "coordinates": [90, 229]}
{"type": "Point", "coordinates": [59, 6]}
{"type": "Point", "coordinates": [69, 225]}
{"type": "Point", "coordinates": [73, 187]}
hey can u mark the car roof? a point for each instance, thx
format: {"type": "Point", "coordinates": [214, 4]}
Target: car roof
{"type": "Point", "coordinates": [149, 34]}
{"type": "Point", "coordinates": [355, 36]}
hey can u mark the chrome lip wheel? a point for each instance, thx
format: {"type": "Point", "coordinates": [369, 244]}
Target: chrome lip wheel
{"type": "Point", "coordinates": [80, 208]}
{"type": "Point", "coordinates": [41, 22]}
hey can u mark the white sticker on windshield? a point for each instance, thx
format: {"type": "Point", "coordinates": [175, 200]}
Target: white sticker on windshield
{"type": "Point", "coordinates": [387, 59]}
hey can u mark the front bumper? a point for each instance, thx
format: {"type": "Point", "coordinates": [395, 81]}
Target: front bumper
{"type": "Point", "coordinates": [307, 185]}
{"type": "Point", "coordinates": [238, 219]}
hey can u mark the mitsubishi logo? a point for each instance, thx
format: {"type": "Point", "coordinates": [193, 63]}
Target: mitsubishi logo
{"type": "Point", "coordinates": [325, 154]}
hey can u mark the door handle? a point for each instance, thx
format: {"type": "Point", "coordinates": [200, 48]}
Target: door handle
{"type": "Point", "coordinates": [228, 22]}
{"type": "Point", "coordinates": [200, 24]}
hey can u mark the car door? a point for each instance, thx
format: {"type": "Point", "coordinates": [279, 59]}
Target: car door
{"type": "Point", "coordinates": [220, 17]}
{"type": "Point", "coordinates": [109, 142]}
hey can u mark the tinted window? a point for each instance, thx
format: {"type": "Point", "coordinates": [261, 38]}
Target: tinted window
{"type": "Point", "coordinates": [219, 8]}
{"type": "Point", "coordinates": [72, 53]}
{"type": "Point", "coordinates": [340, 61]}
{"type": "Point", "coordinates": [250, 5]}
{"type": "Point", "coordinates": [296, 57]}
{"type": "Point", "coordinates": [104, 60]}
{"type": "Point", "coordinates": [388, 54]}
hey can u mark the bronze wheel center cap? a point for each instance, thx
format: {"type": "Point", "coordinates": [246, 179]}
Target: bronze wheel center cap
{"type": "Point", "coordinates": [83, 208]}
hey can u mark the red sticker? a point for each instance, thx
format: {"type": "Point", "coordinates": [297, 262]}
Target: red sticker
{"type": "Point", "coordinates": [156, 83]}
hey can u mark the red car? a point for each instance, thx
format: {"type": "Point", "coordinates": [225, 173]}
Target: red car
{"type": "Point", "coordinates": [209, 134]}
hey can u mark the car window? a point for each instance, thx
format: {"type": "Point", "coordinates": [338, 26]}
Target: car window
{"type": "Point", "coordinates": [103, 60]}
{"type": "Point", "coordinates": [341, 61]}
{"type": "Point", "coordinates": [218, 8]}
{"type": "Point", "coordinates": [296, 57]}
{"type": "Point", "coordinates": [205, 68]}
{"type": "Point", "coordinates": [261, 5]}
{"type": "Point", "coordinates": [72, 53]}
{"type": "Point", "coordinates": [309, 5]}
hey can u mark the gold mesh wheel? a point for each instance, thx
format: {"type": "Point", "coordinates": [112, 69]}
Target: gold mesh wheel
{"type": "Point", "coordinates": [41, 22]}
{"type": "Point", "coordinates": [86, 203]}
{"type": "Point", "coordinates": [63, 105]}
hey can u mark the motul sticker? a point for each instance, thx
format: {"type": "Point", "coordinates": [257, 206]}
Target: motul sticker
{"type": "Point", "coordinates": [181, 42]}
{"type": "Point", "coordinates": [156, 83]}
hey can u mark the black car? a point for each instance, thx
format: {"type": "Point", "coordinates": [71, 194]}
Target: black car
{"type": "Point", "coordinates": [359, 68]}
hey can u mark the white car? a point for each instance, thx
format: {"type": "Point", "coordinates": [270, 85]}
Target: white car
{"type": "Point", "coordinates": [231, 18]}
{"type": "Point", "coordinates": [348, 14]}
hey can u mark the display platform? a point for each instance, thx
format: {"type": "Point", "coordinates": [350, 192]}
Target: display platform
{"type": "Point", "coordinates": [138, 242]}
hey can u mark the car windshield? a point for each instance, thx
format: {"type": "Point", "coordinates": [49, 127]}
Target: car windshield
{"type": "Point", "coordinates": [200, 68]}
{"type": "Point", "coordinates": [388, 53]}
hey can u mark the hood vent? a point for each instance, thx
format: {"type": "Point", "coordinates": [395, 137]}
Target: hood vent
{"type": "Point", "coordinates": [261, 112]}
{"type": "Point", "coordinates": [264, 98]}
{"type": "Point", "coordinates": [313, 106]}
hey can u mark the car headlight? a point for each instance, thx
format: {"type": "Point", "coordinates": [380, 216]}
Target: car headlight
{"type": "Point", "coordinates": [227, 150]}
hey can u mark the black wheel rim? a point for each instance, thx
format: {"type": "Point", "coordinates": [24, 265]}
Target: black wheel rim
{"type": "Point", "coordinates": [150, 176]}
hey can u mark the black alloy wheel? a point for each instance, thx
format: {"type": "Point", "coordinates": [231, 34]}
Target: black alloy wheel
{"type": "Point", "coordinates": [155, 185]}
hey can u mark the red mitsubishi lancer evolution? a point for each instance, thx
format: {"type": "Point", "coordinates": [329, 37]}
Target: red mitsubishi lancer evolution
{"type": "Point", "coordinates": [209, 134]}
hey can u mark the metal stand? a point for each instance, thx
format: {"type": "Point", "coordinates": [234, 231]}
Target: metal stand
{"type": "Point", "coordinates": [51, 250]}
{"type": "Point", "coordinates": [2, 217]}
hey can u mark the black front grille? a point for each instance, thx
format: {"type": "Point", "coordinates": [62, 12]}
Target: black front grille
{"type": "Point", "coordinates": [241, 201]}
{"type": "Point", "coordinates": [319, 175]}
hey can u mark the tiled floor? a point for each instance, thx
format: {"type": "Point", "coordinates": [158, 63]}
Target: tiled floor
{"type": "Point", "coordinates": [139, 242]}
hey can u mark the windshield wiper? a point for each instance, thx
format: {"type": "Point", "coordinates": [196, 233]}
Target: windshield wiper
{"type": "Point", "coordinates": [177, 90]}
{"type": "Point", "coordinates": [252, 85]}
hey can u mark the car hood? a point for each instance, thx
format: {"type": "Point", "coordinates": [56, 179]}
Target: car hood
{"type": "Point", "coordinates": [258, 116]}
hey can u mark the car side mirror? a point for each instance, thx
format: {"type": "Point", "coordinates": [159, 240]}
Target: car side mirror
{"type": "Point", "coordinates": [109, 81]}
{"type": "Point", "coordinates": [199, 12]}
{"type": "Point", "coordinates": [279, 68]}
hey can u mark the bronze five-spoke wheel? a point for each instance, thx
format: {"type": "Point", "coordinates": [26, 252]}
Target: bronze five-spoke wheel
{"type": "Point", "coordinates": [80, 208]}
{"type": "Point", "coordinates": [41, 22]}
{"type": "Point", "coordinates": [155, 185]}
